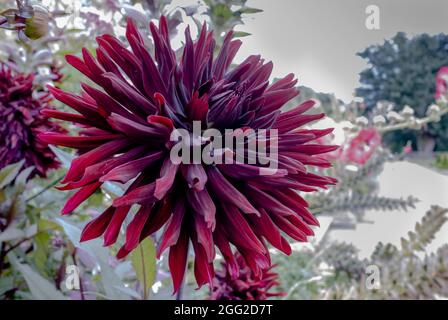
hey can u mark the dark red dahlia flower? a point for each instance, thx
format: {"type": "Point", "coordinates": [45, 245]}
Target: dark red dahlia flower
{"type": "Point", "coordinates": [241, 284]}
{"type": "Point", "coordinates": [126, 137]}
{"type": "Point", "coordinates": [21, 121]}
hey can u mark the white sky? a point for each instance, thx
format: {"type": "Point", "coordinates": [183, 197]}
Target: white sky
{"type": "Point", "coordinates": [318, 39]}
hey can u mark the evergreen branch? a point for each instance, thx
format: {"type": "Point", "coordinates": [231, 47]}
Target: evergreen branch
{"type": "Point", "coordinates": [365, 202]}
{"type": "Point", "coordinates": [424, 231]}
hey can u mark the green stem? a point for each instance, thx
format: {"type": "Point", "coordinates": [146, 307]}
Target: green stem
{"type": "Point", "coordinates": [51, 185]}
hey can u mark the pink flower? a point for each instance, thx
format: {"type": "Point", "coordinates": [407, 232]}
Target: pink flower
{"type": "Point", "coordinates": [362, 147]}
{"type": "Point", "coordinates": [441, 82]}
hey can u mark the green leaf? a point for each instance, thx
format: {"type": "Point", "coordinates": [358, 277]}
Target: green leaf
{"type": "Point", "coordinates": [240, 34]}
{"type": "Point", "coordinates": [41, 251]}
{"type": "Point", "coordinates": [22, 179]}
{"type": "Point", "coordinates": [45, 224]}
{"type": "Point", "coordinates": [11, 233]}
{"type": "Point", "coordinates": [94, 248]}
{"type": "Point", "coordinates": [248, 10]}
{"type": "Point", "coordinates": [8, 173]}
{"type": "Point", "coordinates": [40, 288]}
{"type": "Point", "coordinates": [63, 156]}
{"type": "Point", "coordinates": [144, 261]}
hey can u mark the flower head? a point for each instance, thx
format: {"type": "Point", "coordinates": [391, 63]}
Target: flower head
{"type": "Point", "coordinates": [32, 21]}
{"type": "Point", "coordinates": [362, 147]}
{"type": "Point", "coordinates": [126, 137]}
{"type": "Point", "coordinates": [241, 284]}
{"type": "Point", "coordinates": [441, 82]}
{"type": "Point", "coordinates": [21, 121]}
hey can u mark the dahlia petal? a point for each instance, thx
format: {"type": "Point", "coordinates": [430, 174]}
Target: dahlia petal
{"type": "Point", "coordinates": [197, 108]}
{"type": "Point", "coordinates": [143, 194]}
{"type": "Point", "coordinates": [127, 171]}
{"type": "Point", "coordinates": [245, 171]}
{"type": "Point", "coordinates": [202, 204]}
{"type": "Point", "coordinates": [76, 142]}
{"type": "Point", "coordinates": [225, 57]}
{"type": "Point", "coordinates": [94, 172]}
{"type": "Point", "coordinates": [167, 122]}
{"type": "Point", "coordinates": [129, 94]}
{"type": "Point", "coordinates": [107, 102]}
{"type": "Point", "coordinates": [227, 192]}
{"type": "Point", "coordinates": [318, 133]}
{"type": "Point", "coordinates": [300, 224]}
{"type": "Point", "coordinates": [301, 108]}
{"type": "Point", "coordinates": [290, 229]}
{"type": "Point", "coordinates": [152, 80]}
{"type": "Point", "coordinates": [91, 63]}
{"type": "Point", "coordinates": [86, 109]}
{"type": "Point", "coordinates": [96, 227]}
{"type": "Point", "coordinates": [275, 99]}
{"type": "Point", "coordinates": [294, 122]}
{"type": "Point", "coordinates": [264, 200]}
{"type": "Point", "coordinates": [172, 231]}
{"type": "Point", "coordinates": [113, 229]}
{"type": "Point", "coordinates": [239, 231]}
{"type": "Point", "coordinates": [122, 253]}
{"type": "Point", "coordinates": [314, 180]}
{"type": "Point", "coordinates": [204, 237]}
{"type": "Point", "coordinates": [195, 176]}
{"type": "Point", "coordinates": [158, 217]}
{"type": "Point", "coordinates": [134, 129]}
{"type": "Point", "coordinates": [108, 64]}
{"type": "Point", "coordinates": [224, 246]}
{"type": "Point", "coordinates": [78, 64]}
{"type": "Point", "coordinates": [284, 83]}
{"type": "Point", "coordinates": [177, 260]}
{"type": "Point", "coordinates": [79, 164]}
{"type": "Point", "coordinates": [203, 270]}
{"type": "Point", "coordinates": [291, 165]}
{"type": "Point", "coordinates": [127, 61]}
{"type": "Point", "coordinates": [188, 61]}
{"type": "Point", "coordinates": [71, 117]}
{"type": "Point", "coordinates": [291, 181]}
{"type": "Point", "coordinates": [79, 196]}
{"type": "Point", "coordinates": [308, 159]}
{"type": "Point", "coordinates": [312, 149]}
{"type": "Point", "coordinates": [133, 33]}
{"type": "Point", "coordinates": [295, 138]}
{"type": "Point", "coordinates": [167, 175]}
{"type": "Point", "coordinates": [265, 121]}
{"type": "Point", "coordinates": [135, 228]}
{"type": "Point", "coordinates": [267, 228]}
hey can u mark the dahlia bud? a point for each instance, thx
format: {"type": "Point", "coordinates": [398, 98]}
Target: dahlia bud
{"type": "Point", "coordinates": [30, 21]}
{"type": "Point", "coordinates": [37, 25]}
